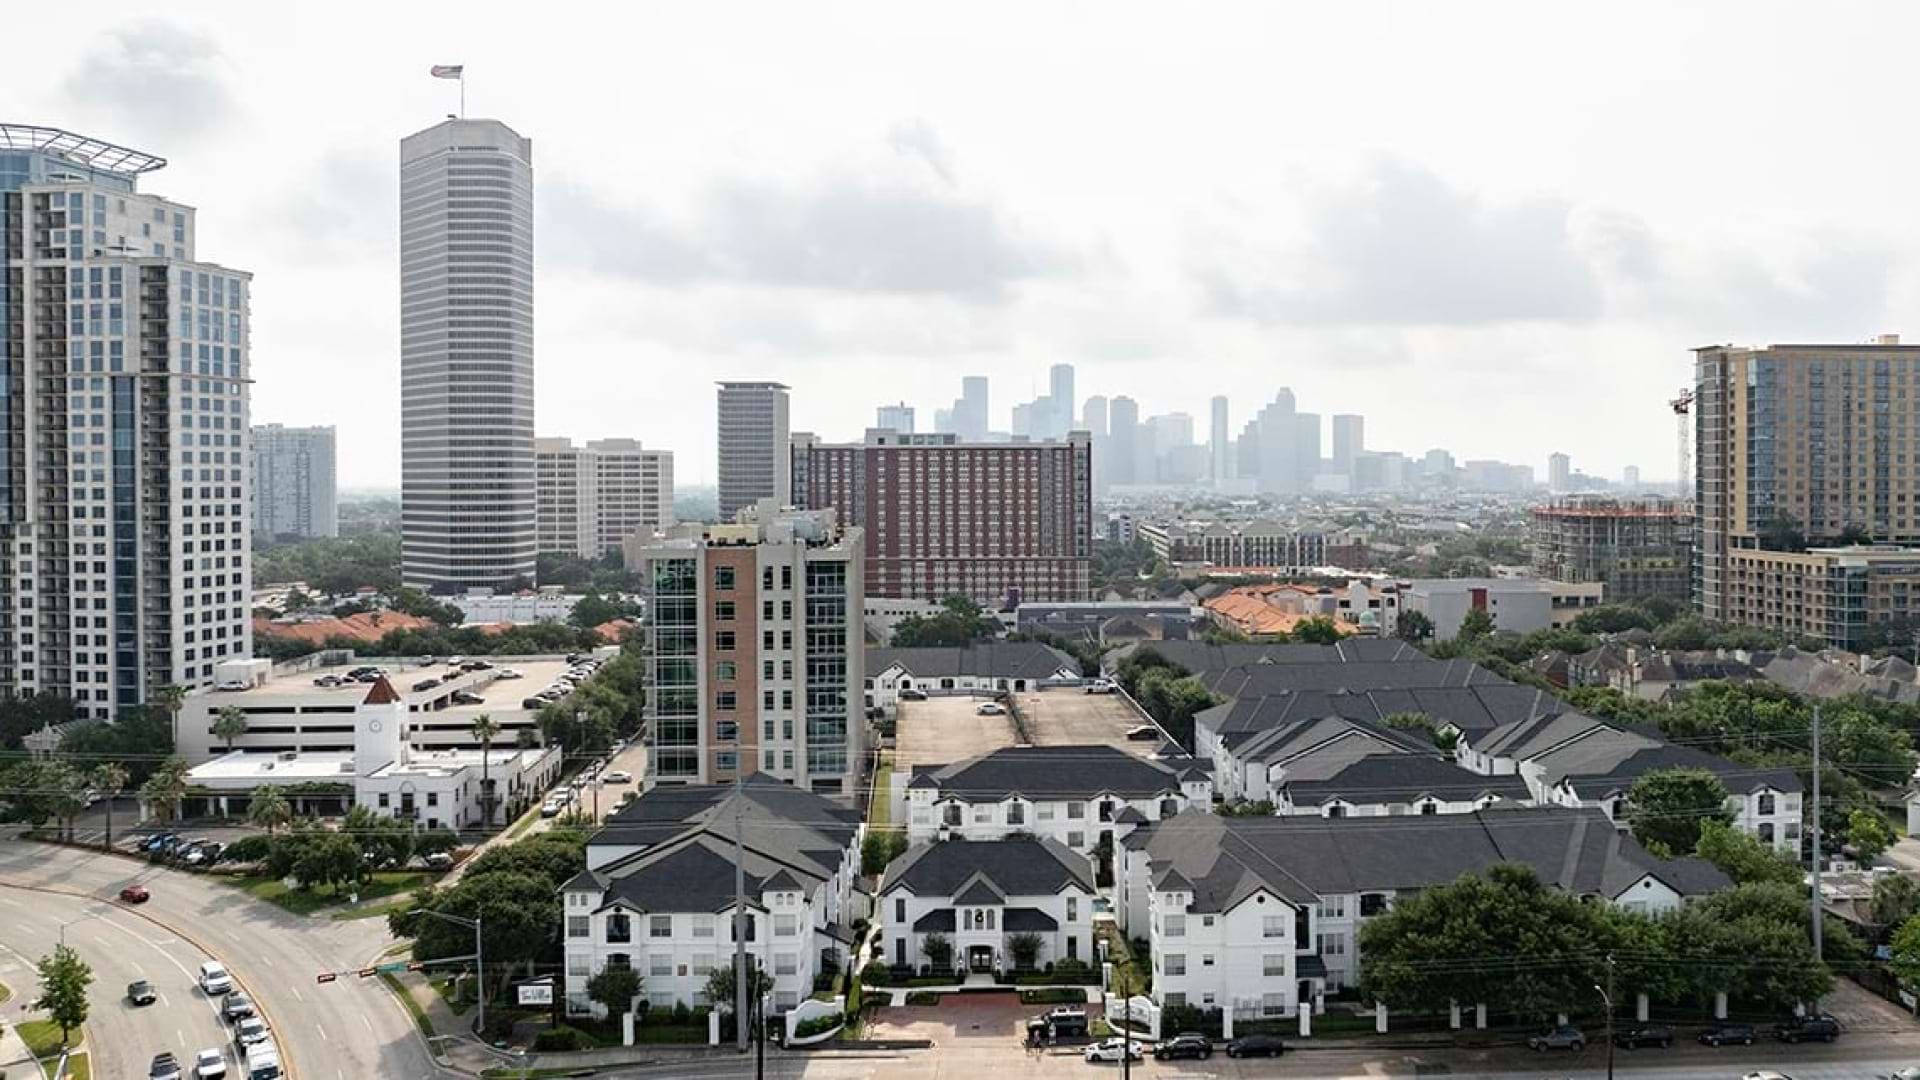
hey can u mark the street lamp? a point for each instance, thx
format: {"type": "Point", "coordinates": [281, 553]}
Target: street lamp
{"type": "Point", "coordinates": [479, 962]}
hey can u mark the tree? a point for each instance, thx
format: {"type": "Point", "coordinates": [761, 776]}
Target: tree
{"type": "Point", "coordinates": [166, 788]}
{"type": "Point", "coordinates": [268, 809]}
{"type": "Point", "coordinates": [939, 952]}
{"type": "Point", "coordinates": [1319, 630]}
{"type": "Point", "coordinates": [1025, 949]}
{"type": "Point", "coordinates": [1478, 623]}
{"type": "Point", "coordinates": [109, 779]}
{"type": "Point", "coordinates": [615, 988]}
{"type": "Point", "coordinates": [721, 983]}
{"type": "Point", "coordinates": [1867, 831]}
{"type": "Point", "coordinates": [229, 724]}
{"type": "Point", "coordinates": [64, 979]}
{"type": "Point", "coordinates": [1669, 807]}
{"type": "Point", "coordinates": [484, 729]}
{"type": "Point", "coordinates": [1896, 899]}
{"type": "Point", "coordinates": [1413, 626]}
{"type": "Point", "coordinates": [1743, 857]}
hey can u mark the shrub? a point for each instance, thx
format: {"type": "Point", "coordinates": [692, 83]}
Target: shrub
{"type": "Point", "coordinates": [560, 1037]}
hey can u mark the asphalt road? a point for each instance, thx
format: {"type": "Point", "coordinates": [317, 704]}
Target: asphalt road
{"type": "Point", "coordinates": [346, 1030]}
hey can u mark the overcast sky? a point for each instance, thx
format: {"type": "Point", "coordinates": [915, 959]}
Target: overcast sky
{"type": "Point", "coordinates": [1493, 227]}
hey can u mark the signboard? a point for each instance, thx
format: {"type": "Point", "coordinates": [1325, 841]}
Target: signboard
{"type": "Point", "coordinates": [536, 993]}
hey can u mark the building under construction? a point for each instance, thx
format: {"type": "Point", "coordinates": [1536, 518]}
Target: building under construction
{"type": "Point", "coordinates": [1638, 548]}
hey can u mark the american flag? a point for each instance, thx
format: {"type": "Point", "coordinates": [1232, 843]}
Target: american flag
{"type": "Point", "coordinates": [446, 71]}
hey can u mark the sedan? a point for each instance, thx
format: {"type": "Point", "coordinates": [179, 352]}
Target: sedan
{"type": "Point", "coordinates": [1256, 1046]}
{"type": "Point", "coordinates": [1113, 1050]}
{"type": "Point", "coordinates": [140, 992]}
{"type": "Point", "coordinates": [135, 894]}
{"type": "Point", "coordinates": [1635, 1037]}
{"type": "Point", "coordinates": [210, 1064]}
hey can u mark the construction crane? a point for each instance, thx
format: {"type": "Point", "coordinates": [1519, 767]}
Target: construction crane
{"type": "Point", "coordinates": [1682, 406]}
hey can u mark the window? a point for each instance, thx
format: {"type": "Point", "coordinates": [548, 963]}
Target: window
{"type": "Point", "coordinates": [659, 926]}
{"type": "Point", "coordinates": [1273, 964]}
{"type": "Point", "coordinates": [1173, 925]}
{"type": "Point", "coordinates": [723, 577]}
{"type": "Point", "coordinates": [1273, 926]}
{"type": "Point", "coordinates": [1176, 963]}
{"type": "Point", "coordinates": [619, 929]}
{"type": "Point", "coordinates": [577, 926]}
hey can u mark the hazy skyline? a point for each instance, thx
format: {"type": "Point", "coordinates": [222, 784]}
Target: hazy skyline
{"type": "Point", "coordinates": [1493, 227]}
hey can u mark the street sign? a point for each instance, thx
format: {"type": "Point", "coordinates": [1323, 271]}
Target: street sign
{"type": "Point", "coordinates": [536, 993]}
{"type": "Point", "coordinates": [325, 977]}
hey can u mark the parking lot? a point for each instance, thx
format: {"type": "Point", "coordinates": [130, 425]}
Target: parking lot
{"type": "Point", "coordinates": [1072, 717]}
{"type": "Point", "coordinates": [945, 729]}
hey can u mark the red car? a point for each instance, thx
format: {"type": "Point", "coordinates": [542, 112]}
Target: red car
{"type": "Point", "coordinates": [134, 894]}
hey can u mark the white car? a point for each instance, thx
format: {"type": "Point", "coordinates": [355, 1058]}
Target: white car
{"type": "Point", "coordinates": [990, 708]}
{"type": "Point", "coordinates": [1113, 1050]}
{"type": "Point", "coordinates": [214, 980]}
{"type": "Point", "coordinates": [210, 1064]}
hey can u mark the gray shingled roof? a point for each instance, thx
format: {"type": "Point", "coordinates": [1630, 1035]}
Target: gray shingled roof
{"type": "Point", "coordinates": [999, 660]}
{"type": "Point", "coordinates": [1015, 868]}
{"type": "Point", "coordinates": [1300, 859]}
{"type": "Point", "coordinates": [1049, 773]}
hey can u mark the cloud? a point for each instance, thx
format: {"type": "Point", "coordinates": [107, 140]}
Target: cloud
{"type": "Point", "coordinates": [1401, 246]}
{"type": "Point", "coordinates": [160, 80]}
{"type": "Point", "coordinates": [897, 226]}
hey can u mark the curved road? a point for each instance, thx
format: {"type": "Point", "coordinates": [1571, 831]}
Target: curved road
{"type": "Point", "coordinates": [345, 1030]}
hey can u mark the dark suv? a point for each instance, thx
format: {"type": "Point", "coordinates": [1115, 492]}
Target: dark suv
{"type": "Point", "coordinates": [1805, 1028]}
{"type": "Point", "coordinates": [1645, 1035]}
{"type": "Point", "coordinates": [1186, 1045]}
{"type": "Point", "coordinates": [1722, 1033]}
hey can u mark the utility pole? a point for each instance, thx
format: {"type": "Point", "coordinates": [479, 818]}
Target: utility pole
{"type": "Point", "coordinates": [1817, 853]}
{"type": "Point", "coordinates": [739, 923]}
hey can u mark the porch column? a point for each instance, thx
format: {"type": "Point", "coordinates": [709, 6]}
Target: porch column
{"type": "Point", "coordinates": [1640, 1008]}
{"type": "Point", "coordinates": [1480, 1017]}
{"type": "Point", "coordinates": [1380, 1017]}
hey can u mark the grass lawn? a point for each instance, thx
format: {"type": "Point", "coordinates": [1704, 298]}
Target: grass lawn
{"type": "Point", "coordinates": [307, 901]}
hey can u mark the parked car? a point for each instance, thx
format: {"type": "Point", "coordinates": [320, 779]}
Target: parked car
{"type": "Point", "coordinates": [990, 708]}
{"type": "Point", "coordinates": [135, 894]}
{"type": "Point", "coordinates": [1099, 686]}
{"type": "Point", "coordinates": [1184, 1045]}
{"type": "Point", "coordinates": [214, 980]}
{"type": "Point", "coordinates": [912, 694]}
{"type": "Point", "coordinates": [1817, 1027]}
{"type": "Point", "coordinates": [238, 1007]}
{"type": "Point", "coordinates": [1256, 1046]}
{"type": "Point", "coordinates": [210, 1064]}
{"type": "Point", "coordinates": [1113, 1050]}
{"type": "Point", "coordinates": [249, 1031]}
{"type": "Point", "coordinates": [1560, 1038]}
{"type": "Point", "coordinates": [1634, 1038]}
{"type": "Point", "coordinates": [165, 1067]}
{"type": "Point", "coordinates": [1143, 733]}
{"type": "Point", "coordinates": [140, 992]}
{"type": "Point", "coordinates": [1722, 1033]}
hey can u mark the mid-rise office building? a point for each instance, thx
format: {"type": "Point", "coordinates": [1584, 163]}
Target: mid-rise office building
{"type": "Point", "coordinates": [466, 357]}
{"type": "Point", "coordinates": [592, 498]}
{"type": "Point", "coordinates": [294, 492]}
{"type": "Point", "coordinates": [753, 445]}
{"type": "Point", "coordinates": [124, 535]}
{"type": "Point", "coordinates": [996, 522]}
{"type": "Point", "coordinates": [756, 657]}
{"type": "Point", "coordinates": [1801, 453]}
{"type": "Point", "coordinates": [1638, 548]}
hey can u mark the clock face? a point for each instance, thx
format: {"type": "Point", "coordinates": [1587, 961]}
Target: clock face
{"type": "Point", "coordinates": [373, 725]}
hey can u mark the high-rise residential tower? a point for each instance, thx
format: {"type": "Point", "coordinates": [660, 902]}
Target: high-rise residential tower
{"type": "Point", "coordinates": [466, 357]}
{"type": "Point", "coordinates": [294, 483]}
{"type": "Point", "coordinates": [1220, 442]}
{"type": "Point", "coordinates": [754, 458]}
{"type": "Point", "coordinates": [125, 563]}
{"type": "Point", "coordinates": [1800, 455]}
{"type": "Point", "coordinates": [592, 498]}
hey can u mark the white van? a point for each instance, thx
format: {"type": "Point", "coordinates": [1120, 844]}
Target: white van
{"type": "Point", "coordinates": [214, 979]}
{"type": "Point", "coordinates": [263, 1062]}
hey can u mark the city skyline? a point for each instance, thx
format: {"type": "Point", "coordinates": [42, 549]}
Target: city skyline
{"type": "Point", "coordinates": [1602, 272]}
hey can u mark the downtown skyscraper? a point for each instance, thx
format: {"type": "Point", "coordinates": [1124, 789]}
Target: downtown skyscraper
{"type": "Point", "coordinates": [466, 357]}
{"type": "Point", "coordinates": [125, 563]}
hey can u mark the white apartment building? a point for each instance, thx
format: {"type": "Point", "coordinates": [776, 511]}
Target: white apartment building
{"type": "Point", "coordinates": [658, 892]}
{"type": "Point", "coordinates": [466, 356]}
{"type": "Point", "coordinates": [591, 498]}
{"type": "Point", "coordinates": [294, 490]}
{"type": "Point", "coordinates": [756, 649]}
{"type": "Point", "coordinates": [754, 461]}
{"type": "Point", "coordinates": [124, 524]}
{"type": "Point", "coordinates": [979, 895]}
{"type": "Point", "coordinates": [1073, 795]}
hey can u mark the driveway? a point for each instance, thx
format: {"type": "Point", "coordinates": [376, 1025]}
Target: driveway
{"type": "Point", "coordinates": [989, 1016]}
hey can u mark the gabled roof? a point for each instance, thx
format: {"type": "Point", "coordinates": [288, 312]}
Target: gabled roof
{"type": "Point", "coordinates": [999, 660]}
{"type": "Point", "coordinates": [1300, 859]}
{"type": "Point", "coordinates": [1048, 773]}
{"type": "Point", "coordinates": [1013, 868]}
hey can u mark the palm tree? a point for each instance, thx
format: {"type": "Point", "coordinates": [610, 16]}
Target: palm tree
{"type": "Point", "coordinates": [229, 725]}
{"type": "Point", "coordinates": [171, 697]}
{"type": "Point", "coordinates": [109, 779]}
{"type": "Point", "coordinates": [268, 809]}
{"type": "Point", "coordinates": [484, 729]}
